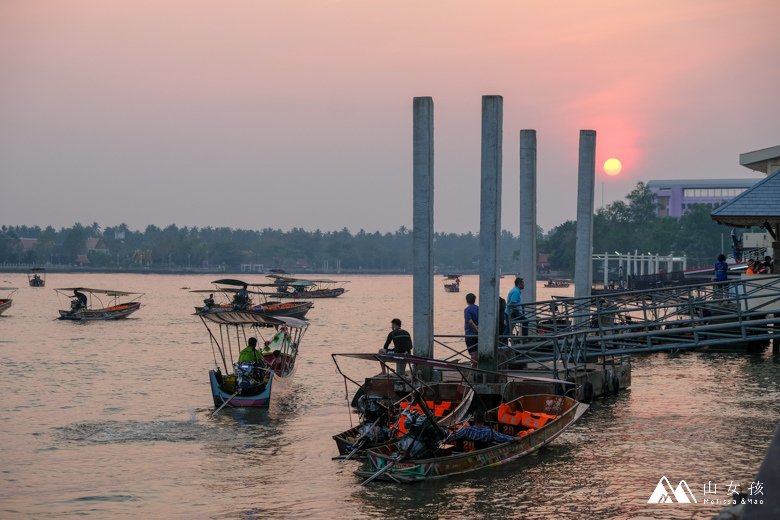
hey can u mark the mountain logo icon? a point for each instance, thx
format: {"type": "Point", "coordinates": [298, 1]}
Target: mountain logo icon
{"type": "Point", "coordinates": [664, 494]}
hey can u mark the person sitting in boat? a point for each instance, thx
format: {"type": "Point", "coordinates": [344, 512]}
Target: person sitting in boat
{"type": "Point", "coordinates": [241, 299]}
{"type": "Point", "coordinates": [402, 344]}
{"type": "Point", "coordinates": [250, 353]}
{"type": "Point", "coordinates": [208, 303]}
{"type": "Point", "coordinates": [79, 301]}
{"type": "Point", "coordinates": [480, 432]}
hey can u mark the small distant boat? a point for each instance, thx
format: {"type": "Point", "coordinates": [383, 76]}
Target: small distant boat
{"type": "Point", "coordinates": [557, 284]}
{"type": "Point", "coordinates": [5, 303]}
{"type": "Point", "coordinates": [289, 287]}
{"type": "Point", "coordinates": [536, 419]}
{"type": "Point", "coordinates": [248, 385]}
{"type": "Point", "coordinates": [452, 283]}
{"type": "Point", "coordinates": [36, 277]}
{"type": "Point", "coordinates": [235, 300]}
{"type": "Point", "coordinates": [92, 307]}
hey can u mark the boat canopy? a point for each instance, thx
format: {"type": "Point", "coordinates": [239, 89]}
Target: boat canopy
{"type": "Point", "coordinates": [239, 283]}
{"type": "Point", "coordinates": [108, 292]}
{"type": "Point", "coordinates": [446, 365]}
{"type": "Point", "coordinates": [289, 280]}
{"type": "Point", "coordinates": [37, 270]}
{"type": "Point", "coordinates": [452, 276]}
{"type": "Point", "coordinates": [252, 318]}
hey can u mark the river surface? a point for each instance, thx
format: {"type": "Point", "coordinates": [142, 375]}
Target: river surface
{"type": "Point", "coordinates": [113, 419]}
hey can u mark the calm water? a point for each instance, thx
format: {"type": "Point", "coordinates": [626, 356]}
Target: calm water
{"type": "Point", "coordinates": [113, 419]}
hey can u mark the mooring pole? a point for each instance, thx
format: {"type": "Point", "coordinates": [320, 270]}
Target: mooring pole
{"type": "Point", "coordinates": [490, 229]}
{"type": "Point", "coordinates": [528, 214]}
{"type": "Point", "coordinates": [422, 234]}
{"type": "Point", "coordinates": [586, 180]}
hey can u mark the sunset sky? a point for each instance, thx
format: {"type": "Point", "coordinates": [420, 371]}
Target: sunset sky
{"type": "Point", "coordinates": [292, 113]}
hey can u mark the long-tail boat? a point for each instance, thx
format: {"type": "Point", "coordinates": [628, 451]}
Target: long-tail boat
{"type": "Point", "coordinates": [451, 283]}
{"type": "Point", "coordinates": [5, 303]}
{"type": "Point", "coordinates": [93, 308]}
{"type": "Point", "coordinates": [36, 277]}
{"type": "Point", "coordinates": [248, 385]}
{"type": "Point", "coordinates": [290, 287]}
{"type": "Point", "coordinates": [229, 288]}
{"type": "Point", "coordinates": [382, 410]}
{"type": "Point", "coordinates": [532, 421]}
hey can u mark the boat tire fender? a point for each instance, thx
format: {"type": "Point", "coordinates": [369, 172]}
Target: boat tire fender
{"type": "Point", "coordinates": [587, 392]}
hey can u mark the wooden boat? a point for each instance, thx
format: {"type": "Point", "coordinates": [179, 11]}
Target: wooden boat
{"type": "Point", "coordinates": [536, 420]}
{"type": "Point", "coordinates": [244, 385]}
{"type": "Point", "coordinates": [92, 307]}
{"type": "Point", "coordinates": [5, 303]}
{"type": "Point", "coordinates": [37, 277]}
{"type": "Point", "coordinates": [382, 421]}
{"type": "Point", "coordinates": [289, 287]}
{"type": "Point", "coordinates": [228, 288]}
{"type": "Point", "coordinates": [557, 283]}
{"type": "Point", "coordinates": [452, 283]}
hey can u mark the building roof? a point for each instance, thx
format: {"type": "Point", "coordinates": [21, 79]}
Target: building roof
{"type": "Point", "coordinates": [766, 160]}
{"type": "Point", "coordinates": [759, 204]}
{"type": "Point", "coordinates": [702, 183]}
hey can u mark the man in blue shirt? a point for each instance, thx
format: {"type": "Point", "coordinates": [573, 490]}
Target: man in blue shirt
{"type": "Point", "coordinates": [514, 309]}
{"type": "Point", "coordinates": [471, 325]}
{"type": "Point", "coordinates": [721, 269]}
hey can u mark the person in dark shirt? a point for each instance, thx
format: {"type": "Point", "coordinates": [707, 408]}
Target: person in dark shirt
{"type": "Point", "coordinates": [241, 299]}
{"type": "Point", "coordinates": [402, 344]}
{"type": "Point", "coordinates": [79, 301]}
{"type": "Point", "coordinates": [721, 269]}
{"type": "Point", "coordinates": [471, 326]}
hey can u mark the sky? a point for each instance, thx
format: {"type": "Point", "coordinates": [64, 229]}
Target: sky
{"type": "Point", "coordinates": [255, 114]}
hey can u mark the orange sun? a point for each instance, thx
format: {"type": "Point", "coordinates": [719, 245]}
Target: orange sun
{"type": "Point", "coordinates": [612, 166]}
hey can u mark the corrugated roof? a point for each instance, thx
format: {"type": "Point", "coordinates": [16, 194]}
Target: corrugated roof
{"type": "Point", "coordinates": [759, 204]}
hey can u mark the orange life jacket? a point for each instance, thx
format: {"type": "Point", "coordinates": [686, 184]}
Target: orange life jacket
{"type": "Point", "coordinates": [531, 420]}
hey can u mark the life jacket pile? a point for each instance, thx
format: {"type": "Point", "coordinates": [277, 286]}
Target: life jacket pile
{"type": "Point", "coordinates": [533, 420]}
{"type": "Point", "coordinates": [439, 410]}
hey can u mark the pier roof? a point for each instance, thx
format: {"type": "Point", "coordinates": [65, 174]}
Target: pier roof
{"type": "Point", "coordinates": [766, 160]}
{"type": "Point", "coordinates": [759, 204]}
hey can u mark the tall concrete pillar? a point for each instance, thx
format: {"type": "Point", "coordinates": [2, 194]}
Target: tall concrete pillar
{"type": "Point", "coordinates": [586, 179]}
{"type": "Point", "coordinates": [490, 228]}
{"type": "Point", "coordinates": [422, 238]}
{"type": "Point", "coordinates": [528, 213]}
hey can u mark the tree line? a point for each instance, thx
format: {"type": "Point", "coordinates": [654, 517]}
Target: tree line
{"type": "Point", "coordinates": [622, 226]}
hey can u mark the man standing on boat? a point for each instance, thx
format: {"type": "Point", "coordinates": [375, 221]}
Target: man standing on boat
{"type": "Point", "coordinates": [471, 326]}
{"type": "Point", "coordinates": [402, 344]}
{"type": "Point", "coordinates": [514, 308]}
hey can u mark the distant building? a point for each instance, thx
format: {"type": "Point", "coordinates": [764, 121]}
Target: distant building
{"type": "Point", "coordinates": [674, 197]}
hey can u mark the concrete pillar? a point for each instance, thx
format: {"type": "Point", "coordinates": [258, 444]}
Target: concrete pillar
{"type": "Point", "coordinates": [422, 238]}
{"type": "Point", "coordinates": [528, 214]}
{"type": "Point", "coordinates": [490, 228]}
{"type": "Point", "coordinates": [583, 267]}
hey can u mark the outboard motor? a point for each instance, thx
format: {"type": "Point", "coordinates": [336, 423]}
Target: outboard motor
{"type": "Point", "coordinates": [249, 378]}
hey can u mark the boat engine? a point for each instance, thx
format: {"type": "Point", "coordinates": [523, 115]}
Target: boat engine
{"type": "Point", "coordinates": [250, 378]}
